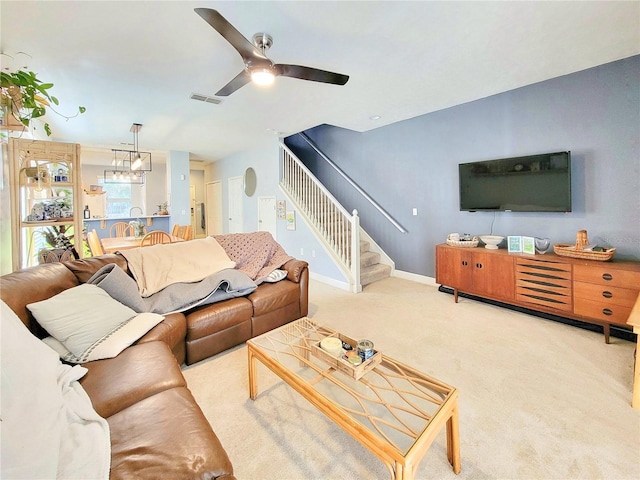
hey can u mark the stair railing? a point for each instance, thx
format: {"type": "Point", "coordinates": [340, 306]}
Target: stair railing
{"type": "Point", "coordinates": [350, 181]}
{"type": "Point", "coordinates": [336, 228]}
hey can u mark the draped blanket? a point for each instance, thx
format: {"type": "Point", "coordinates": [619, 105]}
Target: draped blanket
{"type": "Point", "coordinates": [49, 426]}
{"type": "Point", "coordinates": [177, 276]}
{"type": "Point", "coordinates": [158, 266]}
{"type": "Point", "coordinates": [177, 297]}
{"type": "Point", "coordinates": [257, 254]}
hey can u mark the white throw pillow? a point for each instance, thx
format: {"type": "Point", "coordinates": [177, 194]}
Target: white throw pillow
{"type": "Point", "coordinates": [80, 316]}
{"type": "Point", "coordinates": [275, 276]}
{"type": "Point", "coordinates": [112, 343]}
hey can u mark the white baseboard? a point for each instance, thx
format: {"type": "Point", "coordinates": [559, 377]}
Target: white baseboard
{"type": "Point", "coordinates": [415, 277]}
{"type": "Point", "coordinates": [330, 281]}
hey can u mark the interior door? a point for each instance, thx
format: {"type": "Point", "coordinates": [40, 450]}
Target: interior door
{"type": "Point", "coordinates": [213, 208]}
{"type": "Point", "coordinates": [267, 215]}
{"type": "Point", "coordinates": [192, 205]}
{"type": "Point", "coordinates": [236, 221]}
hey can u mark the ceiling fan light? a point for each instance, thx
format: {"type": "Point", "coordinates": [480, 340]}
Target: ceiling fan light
{"type": "Point", "coordinates": [262, 76]}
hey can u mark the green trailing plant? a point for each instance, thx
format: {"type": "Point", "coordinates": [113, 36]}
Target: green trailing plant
{"type": "Point", "coordinates": [26, 97]}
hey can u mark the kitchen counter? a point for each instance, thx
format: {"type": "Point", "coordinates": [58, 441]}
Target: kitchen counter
{"type": "Point", "coordinates": [151, 222]}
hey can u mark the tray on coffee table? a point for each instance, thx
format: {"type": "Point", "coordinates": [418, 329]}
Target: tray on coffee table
{"type": "Point", "coordinates": [341, 362]}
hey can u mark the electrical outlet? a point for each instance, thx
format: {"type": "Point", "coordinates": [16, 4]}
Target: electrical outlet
{"type": "Point", "coordinates": [313, 253]}
{"type": "Point", "coordinates": [415, 211]}
{"type": "Point", "coordinates": [301, 251]}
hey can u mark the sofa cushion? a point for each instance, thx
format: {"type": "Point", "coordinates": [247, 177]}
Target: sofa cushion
{"type": "Point", "coordinates": [221, 316]}
{"type": "Point", "coordinates": [166, 435]}
{"type": "Point", "coordinates": [139, 372]}
{"type": "Point", "coordinates": [273, 296]}
{"type": "Point", "coordinates": [88, 322]}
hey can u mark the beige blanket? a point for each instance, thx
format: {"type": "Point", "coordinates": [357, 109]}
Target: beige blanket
{"type": "Point", "coordinates": [158, 266]}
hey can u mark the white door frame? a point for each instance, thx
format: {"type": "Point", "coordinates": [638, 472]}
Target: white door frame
{"type": "Point", "coordinates": [235, 192]}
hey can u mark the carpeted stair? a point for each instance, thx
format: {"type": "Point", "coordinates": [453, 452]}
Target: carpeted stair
{"type": "Point", "coordinates": [371, 270]}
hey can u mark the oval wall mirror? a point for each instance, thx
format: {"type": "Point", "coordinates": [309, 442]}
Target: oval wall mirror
{"type": "Point", "coordinates": [250, 181]}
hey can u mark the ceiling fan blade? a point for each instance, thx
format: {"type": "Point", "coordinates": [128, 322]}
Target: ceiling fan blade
{"type": "Point", "coordinates": [308, 73]}
{"type": "Point", "coordinates": [240, 81]}
{"type": "Point", "coordinates": [244, 47]}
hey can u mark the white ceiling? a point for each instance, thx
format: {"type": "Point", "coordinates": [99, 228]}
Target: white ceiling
{"type": "Point", "coordinates": [139, 62]}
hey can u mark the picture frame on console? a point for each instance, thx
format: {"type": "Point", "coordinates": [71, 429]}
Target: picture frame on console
{"type": "Point", "coordinates": [529, 245]}
{"type": "Point", "coordinates": [514, 243]}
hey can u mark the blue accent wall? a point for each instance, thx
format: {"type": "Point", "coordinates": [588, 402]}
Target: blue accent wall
{"type": "Point", "coordinates": [414, 164]}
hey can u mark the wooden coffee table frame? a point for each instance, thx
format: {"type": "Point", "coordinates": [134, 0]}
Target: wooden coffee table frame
{"type": "Point", "coordinates": [402, 464]}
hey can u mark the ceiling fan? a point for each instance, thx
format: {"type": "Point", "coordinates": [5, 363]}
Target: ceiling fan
{"type": "Point", "coordinates": [258, 68]}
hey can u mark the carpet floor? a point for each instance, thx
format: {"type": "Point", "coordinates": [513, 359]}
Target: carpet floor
{"type": "Point", "coordinates": [538, 399]}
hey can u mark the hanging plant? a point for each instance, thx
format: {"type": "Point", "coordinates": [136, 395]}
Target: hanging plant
{"type": "Point", "coordinates": [26, 97]}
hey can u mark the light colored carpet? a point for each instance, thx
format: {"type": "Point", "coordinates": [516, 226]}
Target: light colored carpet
{"type": "Point", "coordinates": [538, 399]}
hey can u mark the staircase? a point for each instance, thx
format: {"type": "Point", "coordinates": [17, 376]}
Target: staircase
{"type": "Point", "coordinates": [338, 230]}
{"type": "Point", "coordinates": [371, 270]}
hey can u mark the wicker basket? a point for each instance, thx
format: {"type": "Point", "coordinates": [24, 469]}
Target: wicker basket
{"type": "Point", "coordinates": [565, 250]}
{"type": "Point", "coordinates": [342, 365]}
{"type": "Point", "coordinates": [578, 251]}
{"type": "Point", "coordinates": [463, 243]}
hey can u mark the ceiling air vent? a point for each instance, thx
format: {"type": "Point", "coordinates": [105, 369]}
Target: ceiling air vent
{"type": "Point", "coordinates": [205, 98]}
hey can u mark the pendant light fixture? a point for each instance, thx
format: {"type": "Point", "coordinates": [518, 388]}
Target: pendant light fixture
{"type": "Point", "coordinates": [129, 166]}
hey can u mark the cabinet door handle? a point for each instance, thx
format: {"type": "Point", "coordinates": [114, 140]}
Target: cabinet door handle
{"type": "Point", "coordinates": [607, 311]}
{"type": "Point", "coordinates": [464, 263]}
{"type": "Point", "coordinates": [607, 276]}
{"type": "Point", "coordinates": [478, 265]}
{"type": "Point", "coordinates": [607, 294]}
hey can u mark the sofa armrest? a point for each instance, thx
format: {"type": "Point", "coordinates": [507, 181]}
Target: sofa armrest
{"type": "Point", "coordinates": [295, 269]}
{"type": "Point", "coordinates": [136, 373]}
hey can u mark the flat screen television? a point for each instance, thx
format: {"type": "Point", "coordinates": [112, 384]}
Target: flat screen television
{"type": "Point", "coordinates": [535, 183]}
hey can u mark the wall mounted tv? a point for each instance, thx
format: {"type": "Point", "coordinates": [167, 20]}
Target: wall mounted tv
{"type": "Point", "coordinates": [536, 183]}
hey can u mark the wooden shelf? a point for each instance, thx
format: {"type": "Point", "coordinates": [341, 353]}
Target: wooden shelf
{"type": "Point", "coordinates": [43, 159]}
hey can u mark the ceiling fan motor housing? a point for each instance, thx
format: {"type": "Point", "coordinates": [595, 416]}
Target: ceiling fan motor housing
{"type": "Point", "coordinates": [263, 41]}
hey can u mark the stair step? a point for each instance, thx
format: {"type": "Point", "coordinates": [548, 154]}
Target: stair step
{"type": "Point", "coordinates": [364, 246]}
{"type": "Point", "coordinates": [369, 258]}
{"type": "Point", "coordinates": [374, 273]}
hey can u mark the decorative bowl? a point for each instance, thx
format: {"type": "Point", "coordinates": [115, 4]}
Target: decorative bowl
{"type": "Point", "coordinates": [491, 241]}
{"type": "Point", "coordinates": [542, 244]}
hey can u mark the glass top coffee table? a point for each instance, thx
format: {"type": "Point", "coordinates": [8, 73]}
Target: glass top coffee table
{"type": "Point", "coordinates": [393, 410]}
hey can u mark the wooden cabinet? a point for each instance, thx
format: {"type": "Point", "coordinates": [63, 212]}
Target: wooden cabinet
{"type": "Point", "coordinates": [602, 293]}
{"type": "Point", "coordinates": [475, 271]}
{"type": "Point", "coordinates": [605, 292]}
{"type": "Point", "coordinates": [46, 194]}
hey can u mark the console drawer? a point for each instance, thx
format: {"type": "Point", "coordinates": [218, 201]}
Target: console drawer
{"type": "Point", "coordinates": [544, 283]}
{"type": "Point", "coordinates": [606, 275]}
{"type": "Point", "coordinates": [603, 312]}
{"type": "Point", "coordinates": [605, 294]}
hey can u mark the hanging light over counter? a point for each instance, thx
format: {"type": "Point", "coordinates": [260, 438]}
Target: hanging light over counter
{"type": "Point", "coordinates": [129, 166]}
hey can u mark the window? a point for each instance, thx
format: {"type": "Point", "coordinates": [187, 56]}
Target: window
{"type": "Point", "coordinates": [118, 198]}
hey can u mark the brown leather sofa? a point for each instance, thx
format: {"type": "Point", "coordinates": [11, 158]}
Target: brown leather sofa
{"type": "Point", "coordinates": [157, 428]}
